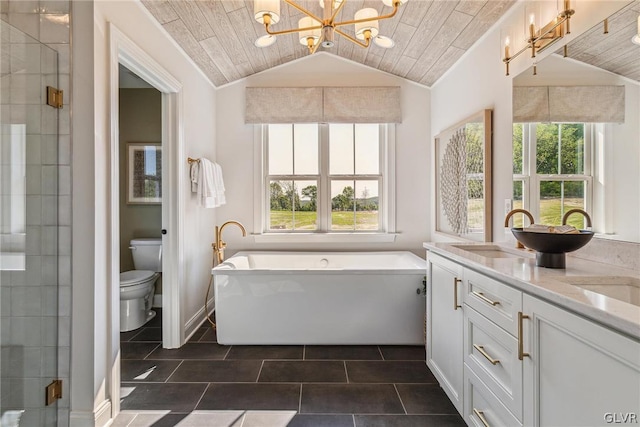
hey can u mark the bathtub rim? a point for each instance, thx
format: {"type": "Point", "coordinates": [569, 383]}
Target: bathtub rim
{"type": "Point", "coordinates": [225, 269]}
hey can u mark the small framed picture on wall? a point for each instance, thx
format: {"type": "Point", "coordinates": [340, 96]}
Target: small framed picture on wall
{"type": "Point", "coordinates": [144, 173]}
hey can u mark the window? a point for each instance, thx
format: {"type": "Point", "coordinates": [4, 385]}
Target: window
{"type": "Point", "coordinates": [325, 178]}
{"type": "Point", "coordinates": [552, 171]}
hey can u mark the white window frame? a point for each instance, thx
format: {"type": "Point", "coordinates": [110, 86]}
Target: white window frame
{"type": "Point", "coordinates": [386, 211]}
{"type": "Point", "coordinates": [531, 179]}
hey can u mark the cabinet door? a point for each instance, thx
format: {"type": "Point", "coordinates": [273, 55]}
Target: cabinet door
{"type": "Point", "coordinates": [444, 326]}
{"type": "Point", "coordinates": [578, 373]}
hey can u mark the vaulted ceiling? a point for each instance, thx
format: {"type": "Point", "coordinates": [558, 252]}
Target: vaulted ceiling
{"type": "Point", "coordinates": [430, 36]}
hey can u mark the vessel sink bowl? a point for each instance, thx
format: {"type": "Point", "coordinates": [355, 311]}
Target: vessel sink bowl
{"type": "Point", "coordinates": [490, 251]}
{"type": "Point", "coordinates": [550, 247]}
{"type": "Point", "coordinates": [621, 288]}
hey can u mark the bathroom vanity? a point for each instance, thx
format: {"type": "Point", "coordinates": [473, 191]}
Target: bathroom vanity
{"type": "Point", "coordinates": [516, 344]}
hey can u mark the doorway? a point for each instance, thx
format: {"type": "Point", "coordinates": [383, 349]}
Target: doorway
{"type": "Point", "coordinates": [125, 53]}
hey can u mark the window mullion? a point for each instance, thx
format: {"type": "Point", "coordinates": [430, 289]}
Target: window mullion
{"type": "Point", "coordinates": [324, 185]}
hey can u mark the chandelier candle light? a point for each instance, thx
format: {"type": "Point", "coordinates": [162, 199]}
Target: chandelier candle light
{"type": "Point", "coordinates": [314, 31]}
{"type": "Point", "coordinates": [540, 39]}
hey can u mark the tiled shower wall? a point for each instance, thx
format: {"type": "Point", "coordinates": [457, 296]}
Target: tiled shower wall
{"type": "Point", "coordinates": [48, 21]}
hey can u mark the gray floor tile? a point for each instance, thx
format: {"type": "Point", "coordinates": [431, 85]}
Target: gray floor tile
{"type": "Point", "coordinates": [425, 399]}
{"type": "Point", "coordinates": [209, 335]}
{"type": "Point", "coordinates": [389, 372]}
{"type": "Point", "coordinates": [126, 336]}
{"type": "Point", "coordinates": [303, 371]}
{"type": "Point", "coordinates": [268, 418]}
{"type": "Point", "coordinates": [197, 350]}
{"type": "Point", "coordinates": [159, 370]}
{"type": "Point", "coordinates": [218, 371]}
{"type": "Point", "coordinates": [251, 397]}
{"type": "Point", "coordinates": [148, 334]}
{"type": "Point", "coordinates": [312, 420]}
{"type": "Point", "coordinates": [350, 399]}
{"type": "Point", "coordinates": [403, 352]}
{"type": "Point", "coordinates": [213, 419]}
{"type": "Point", "coordinates": [409, 421]}
{"type": "Point", "coordinates": [261, 352]}
{"type": "Point", "coordinates": [342, 352]}
{"type": "Point", "coordinates": [137, 350]}
{"type": "Point", "coordinates": [172, 397]}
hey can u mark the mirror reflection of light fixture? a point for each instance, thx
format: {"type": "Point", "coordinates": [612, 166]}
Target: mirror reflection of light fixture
{"type": "Point", "coordinates": [314, 31]}
{"type": "Point", "coordinates": [636, 39]}
{"type": "Point", "coordinates": [540, 37]}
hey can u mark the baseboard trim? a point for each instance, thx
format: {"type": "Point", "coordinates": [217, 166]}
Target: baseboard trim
{"type": "Point", "coordinates": [197, 320]}
{"type": "Point", "coordinates": [101, 417]}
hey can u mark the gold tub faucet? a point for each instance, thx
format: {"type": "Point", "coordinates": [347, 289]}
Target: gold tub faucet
{"type": "Point", "coordinates": [219, 245]}
{"type": "Point", "coordinates": [513, 212]}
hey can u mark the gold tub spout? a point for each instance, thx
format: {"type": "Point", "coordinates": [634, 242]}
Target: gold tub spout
{"type": "Point", "coordinates": [513, 212]}
{"type": "Point", "coordinates": [219, 245]}
{"type": "Point", "coordinates": [572, 211]}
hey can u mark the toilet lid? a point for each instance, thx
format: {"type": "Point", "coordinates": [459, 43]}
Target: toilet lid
{"type": "Point", "coordinates": [132, 277]}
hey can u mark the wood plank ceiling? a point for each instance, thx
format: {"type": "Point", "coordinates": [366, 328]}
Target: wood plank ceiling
{"type": "Point", "coordinates": [430, 35]}
{"type": "Point", "coordinates": [613, 51]}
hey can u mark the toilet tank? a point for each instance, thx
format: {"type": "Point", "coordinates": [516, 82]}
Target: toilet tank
{"type": "Point", "coordinates": [147, 253]}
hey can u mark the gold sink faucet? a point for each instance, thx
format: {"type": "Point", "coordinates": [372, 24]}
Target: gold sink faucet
{"type": "Point", "coordinates": [572, 211]}
{"type": "Point", "coordinates": [219, 245]}
{"type": "Point", "coordinates": [513, 212]}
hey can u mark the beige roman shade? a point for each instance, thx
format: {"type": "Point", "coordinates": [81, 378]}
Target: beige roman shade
{"type": "Point", "coordinates": [323, 105]}
{"type": "Point", "coordinates": [589, 104]}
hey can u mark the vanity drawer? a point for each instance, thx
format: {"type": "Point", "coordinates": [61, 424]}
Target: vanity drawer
{"type": "Point", "coordinates": [492, 354]}
{"type": "Point", "coordinates": [498, 302]}
{"type": "Point", "coordinates": [481, 407]}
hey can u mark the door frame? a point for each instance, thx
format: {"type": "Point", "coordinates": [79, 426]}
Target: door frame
{"type": "Point", "coordinates": [123, 50]}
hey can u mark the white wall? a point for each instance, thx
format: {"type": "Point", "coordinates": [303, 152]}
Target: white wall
{"type": "Point", "coordinates": [616, 191]}
{"type": "Point", "coordinates": [91, 384]}
{"type": "Point", "coordinates": [236, 145]}
{"type": "Point", "coordinates": [478, 81]}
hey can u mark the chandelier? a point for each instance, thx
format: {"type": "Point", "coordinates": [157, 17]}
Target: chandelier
{"type": "Point", "coordinates": [315, 31]}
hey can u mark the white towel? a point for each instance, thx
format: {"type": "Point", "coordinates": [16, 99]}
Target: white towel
{"type": "Point", "coordinates": [195, 172]}
{"type": "Point", "coordinates": [219, 184]}
{"type": "Point", "coordinates": [210, 192]}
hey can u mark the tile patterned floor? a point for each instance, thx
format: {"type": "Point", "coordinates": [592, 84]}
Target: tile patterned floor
{"type": "Point", "coordinates": [207, 384]}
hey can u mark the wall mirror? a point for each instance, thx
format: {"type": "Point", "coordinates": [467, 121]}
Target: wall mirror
{"type": "Point", "coordinates": [560, 163]}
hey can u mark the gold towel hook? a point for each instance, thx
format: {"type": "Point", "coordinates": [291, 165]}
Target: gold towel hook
{"type": "Point", "coordinates": [191, 161]}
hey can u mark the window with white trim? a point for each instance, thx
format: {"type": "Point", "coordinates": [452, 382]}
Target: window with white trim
{"type": "Point", "coordinates": [326, 178]}
{"type": "Point", "coordinates": [552, 171]}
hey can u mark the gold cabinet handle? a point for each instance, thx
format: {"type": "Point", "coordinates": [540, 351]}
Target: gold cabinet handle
{"type": "Point", "coordinates": [482, 351]}
{"type": "Point", "coordinates": [484, 298]}
{"type": "Point", "coordinates": [480, 415]}
{"type": "Point", "coordinates": [455, 293]}
{"type": "Point", "coordinates": [521, 353]}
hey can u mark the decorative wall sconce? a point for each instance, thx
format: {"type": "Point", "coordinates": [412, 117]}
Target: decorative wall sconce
{"type": "Point", "coordinates": [538, 39]}
{"type": "Point", "coordinates": [314, 31]}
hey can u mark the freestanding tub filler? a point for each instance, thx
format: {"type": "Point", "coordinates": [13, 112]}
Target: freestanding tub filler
{"type": "Point", "coordinates": [320, 298]}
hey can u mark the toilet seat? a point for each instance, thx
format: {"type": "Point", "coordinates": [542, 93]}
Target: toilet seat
{"type": "Point", "coordinates": [135, 277]}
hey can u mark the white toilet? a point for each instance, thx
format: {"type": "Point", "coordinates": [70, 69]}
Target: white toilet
{"type": "Point", "coordinates": [137, 286]}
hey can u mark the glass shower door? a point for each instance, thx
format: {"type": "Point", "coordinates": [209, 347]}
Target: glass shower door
{"type": "Point", "coordinates": [28, 230]}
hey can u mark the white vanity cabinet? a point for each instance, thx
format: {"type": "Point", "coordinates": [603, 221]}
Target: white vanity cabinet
{"type": "Point", "coordinates": [508, 358]}
{"type": "Point", "coordinates": [444, 325]}
{"type": "Point", "coordinates": [577, 372]}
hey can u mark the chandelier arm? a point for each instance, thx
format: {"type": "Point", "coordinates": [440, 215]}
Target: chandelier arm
{"type": "Point", "coordinates": [351, 39]}
{"type": "Point", "coordinates": [291, 31]}
{"type": "Point", "coordinates": [337, 10]}
{"type": "Point", "coordinates": [303, 10]}
{"type": "Point", "coordinates": [377, 18]}
{"type": "Point", "coordinates": [317, 44]}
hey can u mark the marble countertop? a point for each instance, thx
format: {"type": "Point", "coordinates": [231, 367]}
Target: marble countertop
{"type": "Point", "coordinates": [521, 272]}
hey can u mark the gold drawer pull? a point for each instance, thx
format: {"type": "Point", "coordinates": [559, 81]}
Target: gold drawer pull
{"type": "Point", "coordinates": [485, 354]}
{"type": "Point", "coordinates": [455, 293]}
{"type": "Point", "coordinates": [480, 415]}
{"type": "Point", "coordinates": [521, 353]}
{"type": "Point", "coordinates": [485, 299]}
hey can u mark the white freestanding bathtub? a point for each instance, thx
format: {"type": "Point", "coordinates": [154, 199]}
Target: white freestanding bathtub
{"type": "Point", "coordinates": [320, 298]}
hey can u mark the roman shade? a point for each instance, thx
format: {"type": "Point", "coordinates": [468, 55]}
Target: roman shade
{"type": "Point", "coordinates": [323, 105]}
{"type": "Point", "coordinates": [577, 104]}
